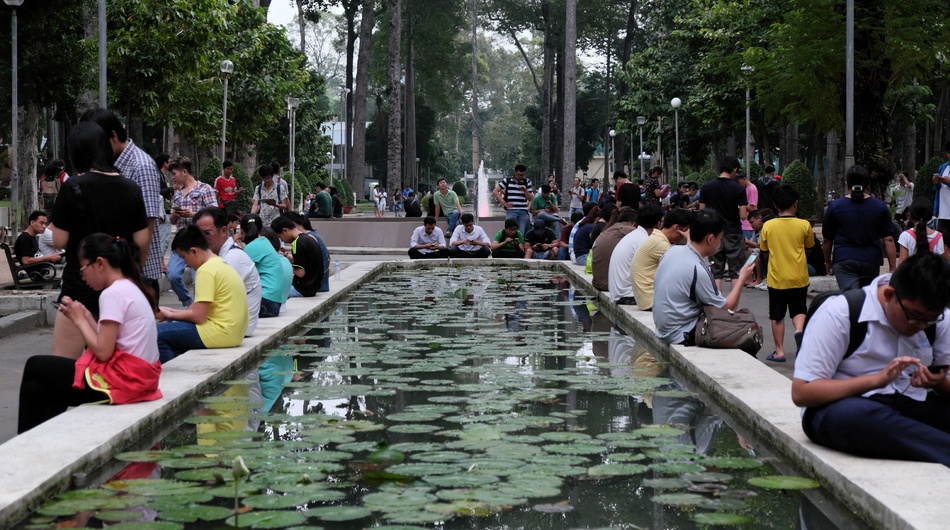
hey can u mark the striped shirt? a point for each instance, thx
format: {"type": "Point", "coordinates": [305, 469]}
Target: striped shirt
{"type": "Point", "coordinates": [513, 192]}
{"type": "Point", "coordinates": [137, 166]}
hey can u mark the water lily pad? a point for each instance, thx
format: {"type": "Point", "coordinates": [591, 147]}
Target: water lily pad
{"type": "Point", "coordinates": [203, 474]}
{"type": "Point", "coordinates": [656, 431]}
{"type": "Point", "coordinates": [145, 456]}
{"type": "Point", "coordinates": [671, 468]}
{"type": "Point", "coordinates": [732, 463]}
{"type": "Point", "coordinates": [423, 469]}
{"type": "Point", "coordinates": [152, 487]}
{"type": "Point", "coordinates": [146, 525]}
{"type": "Point", "coordinates": [626, 457]}
{"type": "Point", "coordinates": [784, 483]}
{"type": "Point", "coordinates": [398, 501]}
{"type": "Point", "coordinates": [665, 483]}
{"type": "Point", "coordinates": [707, 477]}
{"type": "Point", "coordinates": [461, 480]}
{"type": "Point", "coordinates": [174, 502]}
{"type": "Point", "coordinates": [678, 499]}
{"type": "Point", "coordinates": [616, 470]}
{"type": "Point", "coordinates": [441, 456]}
{"type": "Point", "coordinates": [565, 436]}
{"type": "Point", "coordinates": [193, 512]}
{"type": "Point", "coordinates": [340, 513]}
{"type": "Point", "coordinates": [275, 501]}
{"type": "Point", "coordinates": [267, 519]}
{"type": "Point", "coordinates": [721, 519]}
{"type": "Point", "coordinates": [575, 449]}
{"type": "Point", "coordinates": [118, 515]}
{"type": "Point", "coordinates": [553, 508]}
{"type": "Point", "coordinates": [722, 504]}
{"type": "Point", "coordinates": [413, 428]}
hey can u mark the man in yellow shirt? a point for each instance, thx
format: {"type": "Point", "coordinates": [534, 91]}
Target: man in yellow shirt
{"type": "Point", "coordinates": [219, 316]}
{"type": "Point", "coordinates": [785, 238]}
{"type": "Point", "coordinates": [647, 257]}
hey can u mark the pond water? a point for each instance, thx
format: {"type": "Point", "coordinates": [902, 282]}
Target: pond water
{"type": "Point", "coordinates": [489, 398]}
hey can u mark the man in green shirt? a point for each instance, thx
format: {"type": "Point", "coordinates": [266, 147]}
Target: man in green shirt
{"type": "Point", "coordinates": [447, 204]}
{"type": "Point", "coordinates": [321, 206]}
{"type": "Point", "coordinates": [509, 242]}
{"type": "Point", "coordinates": [544, 207]}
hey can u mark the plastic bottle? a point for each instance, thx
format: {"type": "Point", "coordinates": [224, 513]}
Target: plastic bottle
{"type": "Point", "coordinates": [336, 270]}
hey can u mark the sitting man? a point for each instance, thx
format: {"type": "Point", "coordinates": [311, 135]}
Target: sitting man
{"type": "Point", "coordinates": [26, 247]}
{"type": "Point", "coordinates": [618, 279]}
{"type": "Point", "coordinates": [321, 207]}
{"type": "Point", "coordinates": [446, 203]}
{"type": "Point", "coordinates": [509, 241]}
{"type": "Point", "coordinates": [303, 224]}
{"type": "Point", "coordinates": [876, 402]}
{"type": "Point", "coordinates": [684, 283]}
{"type": "Point", "coordinates": [544, 206]}
{"type": "Point", "coordinates": [468, 240]}
{"type": "Point", "coordinates": [218, 316]}
{"type": "Point", "coordinates": [428, 241]}
{"type": "Point", "coordinates": [213, 223]}
{"type": "Point", "coordinates": [306, 255]}
{"type": "Point", "coordinates": [606, 243]}
{"type": "Point", "coordinates": [540, 242]}
{"type": "Point", "coordinates": [647, 255]}
{"type": "Point", "coordinates": [412, 206]}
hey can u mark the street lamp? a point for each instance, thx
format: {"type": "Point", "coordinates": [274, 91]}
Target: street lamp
{"type": "Point", "coordinates": [416, 176]}
{"type": "Point", "coordinates": [640, 121]}
{"type": "Point", "coordinates": [14, 159]}
{"type": "Point", "coordinates": [345, 121]}
{"type": "Point", "coordinates": [226, 68]}
{"type": "Point", "coordinates": [613, 152]}
{"type": "Point", "coordinates": [748, 134]}
{"type": "Point", "coordinates": [332, 147]}
{"type": "Point", "coordinates": [675, 103]}
{"type": "Point", "coordinates": [292, 104]}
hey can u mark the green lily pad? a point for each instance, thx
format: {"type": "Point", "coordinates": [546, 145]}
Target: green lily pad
{"type": "Point", "coordinates": [784, 483]}
{"type": "Point", "coordinates": [193, 512]}
{"type": "Point", "coordinates": [732, 463]}
{"type": "Point", "coordinates": [413, 428]}
{"type": "Point", "coordinates": [397, 501]}
{"type": "Point", "coordinates": [152, 487]}
{"type": "Point", "coordinates": [574, 449]}
{"type": "Point", "coordinates": [707, 477]}
{"type": "Point", "coordinates": [146, 525]}
{"type": "Point", "coordinates": [721, 519]}
{"type": "Point", "coordinates": [118, 515]}
{"type": "Point", "coordinates": [266, 519]}
{"type": "Point", "coordinates": [203, 474]}
{"type": "Point", "coordinates": [626, 457]}
{"type": "Point", "coordinates": [340, 513]}
{"type": "Point", "coordinates": [274, 501]}
{"type": "Point", "coordinates": [565, 436]}
{"type": "Point", "coordinates": [174, 502]}
{"type": "Point", "coordinates": [676, 467]}
{"type": "Point", "coordinates": [665, 483]}
{"type": "Point", "coordinates": [461, 480]}
{"type": "Point", "coordinates": [616, 470]}
{"type": "Point", "coordinates": [421, 470]}
{"type": "Point", "coordinates": [678, 499]}
{"type": "Point", "coordinates": [145, 456]}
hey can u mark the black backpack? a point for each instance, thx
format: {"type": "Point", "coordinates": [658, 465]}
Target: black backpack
{"type": "Point", "coordinates": [859, 330]}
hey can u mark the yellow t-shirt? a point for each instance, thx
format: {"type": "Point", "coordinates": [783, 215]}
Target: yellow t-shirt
{"type": "Point", "coordinates": [785, 239]}
{"type": "Point", "coordinates": [219, 284]}
{"type": "Point", "coordinates": [644, 265]}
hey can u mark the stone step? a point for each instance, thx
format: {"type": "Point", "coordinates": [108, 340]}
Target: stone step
{"type": "Point", "coordinates": [21, 321]}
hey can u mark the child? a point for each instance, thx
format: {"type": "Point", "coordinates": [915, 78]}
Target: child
{"type": "Point", "coordinates": [919, 235]}
{"type": "Point", "coordinates": [785, 238]}
{"type": "Point", "coordinates": [756, 220]}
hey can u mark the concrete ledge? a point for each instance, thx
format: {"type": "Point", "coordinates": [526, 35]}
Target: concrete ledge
{"type": "Point", "coordinates": [885, 493]}
{"type": "Point", "coordinates": [39, 302]}
{"type": "Point", "coordinates": [20, 321]}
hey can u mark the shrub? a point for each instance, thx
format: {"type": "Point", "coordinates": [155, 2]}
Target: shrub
{"type": "Point", "coordinates": [244, 182]}
{"type": "Point", "coordinates": [4, 193]}
{"type": "Point", "coordinates": [211, 171]}
{"type": "Point", "coordinates": [924, 183]}
{"type": "Point", "coordinates": [344, 190]}
{"type": "Point", "coordinates": [704, 177]}
{"type": "Point", "coordinates": [318, 177]}
{"type": "Point", "coordinates": [755, 171]}
{"type": "Point", "coordinates": [797, 176]}
{"type": "Point", "coordinates": [460, 189]}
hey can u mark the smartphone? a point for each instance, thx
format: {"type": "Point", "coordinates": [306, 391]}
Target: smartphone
{"type": "Point", "coordinates": [751, 259]}
{"type": "Point", "coordinates": [55, 304]}
{"type": "Point", "coordinates": [934, 368]}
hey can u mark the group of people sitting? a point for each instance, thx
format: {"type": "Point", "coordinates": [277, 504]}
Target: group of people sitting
{"type": "Point", "coordinates": [110, 336]}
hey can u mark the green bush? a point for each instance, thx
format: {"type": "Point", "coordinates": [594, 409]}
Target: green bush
{"type": "Point", "coordinates": [797, 176]}
{"type": "Point", "coordinates": [211, 171]}
{"type": "Point", "coordinates": [460, 189]}
{"type": "Point", "coordinates": [318, 177]}
{"type": "Point", "coordinates": [344, 190]}
{"type": "Point", "coordinates": [302, 185]}
{"type": "Point", "coordinates": [704, 177]}
{"type": "Point", "coordinates": [244, 182]}
{"type": "Point", "coordinates": [924, 183]}
{"type": "Point", "coordinates": [4, 193]}
{"type": "Point", "coordinates": [755, 171]}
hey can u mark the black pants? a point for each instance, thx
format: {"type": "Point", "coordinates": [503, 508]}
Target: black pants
{"type": "Point", "coordinates": [415, 253]}
{"type": "Point", "coordinates": [482, 252]}
{"type": "Point", "coordinates": [47, 390]}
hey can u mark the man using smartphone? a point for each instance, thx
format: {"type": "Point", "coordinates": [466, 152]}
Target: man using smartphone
{"type": "Point", "coordinates": [468, 240]}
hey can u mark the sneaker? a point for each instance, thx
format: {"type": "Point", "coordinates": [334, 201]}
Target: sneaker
{"type": "Point", "coordinates": [763, 286]}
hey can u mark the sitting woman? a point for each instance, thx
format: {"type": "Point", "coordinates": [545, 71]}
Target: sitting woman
{"type": "Point", "coordinates": [120, 364]}
{"type": "Point", "coordinates": [275, 271]}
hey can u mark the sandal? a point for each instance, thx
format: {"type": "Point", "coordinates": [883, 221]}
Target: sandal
{"type": "Point", "coordinates": [775, 359]}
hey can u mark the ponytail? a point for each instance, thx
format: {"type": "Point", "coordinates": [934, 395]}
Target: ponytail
{"type": "Point", "coordinates": [920, 234]}
{"type": "Point", "coordinates": [921, 211]}
{"type": "Point", "coordinates": [119, 254]}
{"type": "Point", "coordinates": [251, 226]}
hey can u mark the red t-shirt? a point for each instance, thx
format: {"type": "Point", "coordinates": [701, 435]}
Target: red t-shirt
{"type": "Point", "coordinates": [226, 189]}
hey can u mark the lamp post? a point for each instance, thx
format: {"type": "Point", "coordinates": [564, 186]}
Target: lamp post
{"type": "Point", "coordinates": [675, 103]}
{"type": "Point", "coordinates": [332, 147]}
{"type": "Point", "coordinates": [292, 104]}
{"type": "Point", "coordinates": [748, 134]}
{"type": "Point", "coordinates": [14, 158]}
{"type": "Point", "coordinates": [416, 176]}
{"type": "Point", "coordinates": [330, 156]}
{"type": "Point", "coordinates": [103, 103]}
{"type": "Point", "coordinates": [640, 121]}
{"type": "Point", "coordinates": [346, 137]}
{"type": "Point", "coordinates": [613, 152]}
{"type": "Point", "coordinates": [226, 68]}
{"type": "Point", "coordinates": [849, 87]}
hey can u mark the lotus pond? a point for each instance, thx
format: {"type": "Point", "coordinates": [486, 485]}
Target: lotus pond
{"type": "Point", "coordinates": [487, 398]}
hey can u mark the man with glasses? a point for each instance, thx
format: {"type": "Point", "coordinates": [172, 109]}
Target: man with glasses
{"type": "Point", "coordinates": [877, 402]}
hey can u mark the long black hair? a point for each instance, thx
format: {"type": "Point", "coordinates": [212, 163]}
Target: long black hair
{"type": "Point", "coordinates": [921, 210]}
{"type": "Point", "coordinates": [119, 254]}
{"type": "Point", "coordinates": [89, 148]}
{"type": "Point", "coordinates": [251, 226]}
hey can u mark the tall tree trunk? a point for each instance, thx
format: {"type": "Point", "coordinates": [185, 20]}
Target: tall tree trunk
{"type": "Point", "coordinates": [302, 25]}
{"type": "Point", "coordinates": [909, 155]}
{"type": "Point", "coordinates": [940, 121]}
{"type": "Point", "coordinates": [409, 165]}
{"type": "Point", "coordinates": [476, 141]}
{"type": "Point", "coordinates": [833, 180]}
{"type": "Point", "coordinates": [569, 166]}
{"type": "Point", "coordinates": [547, 94]}
{"type": "Point", "coordinates": [394, 93]}
{"type": "Point", "coordinates": [558, 104]}
{"type": "Point", "coordinates": [623, 87]}
{"type": "Point", "coordinates": [350, 9]}
{"type": "Point", "coordinates": [792, 151]}
{"type": "Point", "coordinates": [357, 156]}
{"type": "Point", "coordinates": [872, 142]}
{"type": "Point", "coordinates": [28, 157]}
{"type": "Point", "coordinates": [381, 123]}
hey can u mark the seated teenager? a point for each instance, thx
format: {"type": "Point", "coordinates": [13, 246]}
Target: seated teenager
{"type": "Point", "coordinates": [27, 247]}
{"type": "Point", "coordinates": [540, 242]}
{"type": "Point", "coordinates": [877, 402]}
{"type": "Point", "coordinates": [469, 240]}
{"type": "Point", "coordinates": [647, 255]}
{"type": "Point", "coordinates": [508, 243]}
{"type": "Point", "coordinates": [122, 342]}
{"type": "Point", "coordinates": [684, 283]}
{"type": "Point", "coordinates": [274, 270]}
{"type": "Point", "coordinates": [303, 224]}
{"type": "Point", "coordinates": [306, 255]}
{"type": "Point", "coordinates": [213, 222]}
{"type": "Point", "coordinates": [218, 317]}
{"type": "Point", "coordinates": [427, 241]}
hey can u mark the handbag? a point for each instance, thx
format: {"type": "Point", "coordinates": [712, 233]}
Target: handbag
{"type": "Point", "coordinates": [723, 328]}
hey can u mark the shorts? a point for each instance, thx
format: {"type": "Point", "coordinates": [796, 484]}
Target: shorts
{"type": "Point", "coordinates": [792, 299]}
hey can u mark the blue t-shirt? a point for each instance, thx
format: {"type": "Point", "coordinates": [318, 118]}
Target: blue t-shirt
{"type": "Point", "coordinates": [582, 240]}
{"type": "Point", "coordinates": [275, 271]}
{"type": "Point", "coordinates": [325, 285]}
{"type": "Point", "coordinates": [856, 228]}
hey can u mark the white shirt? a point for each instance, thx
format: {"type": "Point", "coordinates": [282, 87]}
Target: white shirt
{"type": "Point", "coordinates": [244, 265]}
{"type": "Point", "coordinates": [420, 237]}
{"type": "Point", "coordinates": [908, 240]}
{"type": "Point", "coordinates": [825, 343]}
{"type": "Point", "coordinates": [124, 303]}
{"type": "Point", "coordinates": [618, 276]}
{"type": "Point", "coordinates": [46, 243]}
{"type": "Point", "coordinates": [476, 234]}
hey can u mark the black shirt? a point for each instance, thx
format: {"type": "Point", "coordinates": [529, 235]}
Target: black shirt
{"type": "Point", "coordinates": [725, 196]}
{"type": "Point", "coordinates": [25, 245]}
{"type": "Point", "coordinates": [544, 238]}
{"type": "Point", "coordinates": [629, 195]}
{"type": "Point", "coordinates": [307, 255]}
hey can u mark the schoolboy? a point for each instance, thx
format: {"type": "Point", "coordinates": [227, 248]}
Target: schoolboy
{"type": "Point", "coordinates": [785, 238]}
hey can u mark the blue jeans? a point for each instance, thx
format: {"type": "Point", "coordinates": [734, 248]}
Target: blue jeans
{"type": "Point", "coordinates": [176, 267]}
{"type": "Point", "coordinates": [573, 211]}
{"type": "Point", "coordinates": [852, 274]}
{"type": "Point", "coordinates": [269, 308]}
{"type": "Point", "coordinates": [175, 338]}
{"type": "Point", "coordinates": [563, 253]}
{"type": "Point", "coordinates": [453, 219]}
{"type": "Point", "coordinates": [521, 216]}
{"type": "Point", "coordinates": [553, 221]}
{"type": "Point", "coordinates": [581, 260]}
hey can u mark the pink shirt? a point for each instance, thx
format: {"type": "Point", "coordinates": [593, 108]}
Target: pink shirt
{"type": "Point", "coordinates": [752, 194]}
{"type": "Point", "coordinates": [125, 303]}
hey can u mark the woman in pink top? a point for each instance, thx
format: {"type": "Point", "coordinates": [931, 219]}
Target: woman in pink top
{"type": "Point", "coordinates": [120, 363]}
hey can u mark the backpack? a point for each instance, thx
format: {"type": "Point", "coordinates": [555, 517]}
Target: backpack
{"type": "Point", "coordinates": [859, 330]}
{"type": "Point", "coordinates": [933, 242]}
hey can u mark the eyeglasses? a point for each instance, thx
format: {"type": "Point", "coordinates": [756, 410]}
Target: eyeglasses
{"type": "Point", "coordinates": [81, 269]}
{"type": "Point", "coordinates": [916, 319]}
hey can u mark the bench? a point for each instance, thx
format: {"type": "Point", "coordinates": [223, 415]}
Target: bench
{"type": "Point", "coordinates": [41, 278]}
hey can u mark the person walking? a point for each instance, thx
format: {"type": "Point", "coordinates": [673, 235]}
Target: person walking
{"type": "Point", "coordinates": [729, 198]}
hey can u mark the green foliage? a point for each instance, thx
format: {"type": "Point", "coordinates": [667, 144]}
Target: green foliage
{"type": "Point", "coordinates": [704, 176]}
{"type": "Point", "coordinates": [344, 190]}
{"type": "Point", "coordinates": [211, 171]}
{"type": "Point", "coordinates": [318, 177]}
{"type": "Point", "coordinates": [797, 176]}
{"type": "Point", "coordinates": [924, 183]}
{"type": "Point", "coordinates": [244, 183]}
{"type": "Point", "coordinates": [302, 185]}
{"type": "Point", "coordinates": [460, 189]}
{"type": "Point", "coordinates": [755, 171]}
